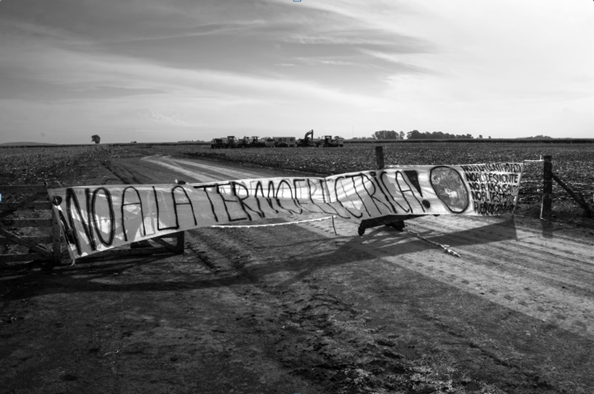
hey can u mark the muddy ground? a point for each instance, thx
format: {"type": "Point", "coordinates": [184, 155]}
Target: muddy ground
{"type": "Point", "coordinates": [305, 309]}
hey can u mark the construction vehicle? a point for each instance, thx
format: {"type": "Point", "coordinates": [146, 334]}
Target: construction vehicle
{"type": "Point", "coordinates": [307, 140]}
{"type": "Point", "coordinates": [283, 142]}
{"type": "Point", "coordinates": [328, 141]}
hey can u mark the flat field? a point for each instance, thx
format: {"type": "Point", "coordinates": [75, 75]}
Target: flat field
{"type": "Point", "coordinates": [573, 163]}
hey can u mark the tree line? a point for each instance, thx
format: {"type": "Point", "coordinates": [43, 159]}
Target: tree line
{"type": "Point", "coordinates": [418, 135]}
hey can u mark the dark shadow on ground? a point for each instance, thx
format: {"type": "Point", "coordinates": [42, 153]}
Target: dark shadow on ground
{"type": "Point", "coordinates": [95, 276]}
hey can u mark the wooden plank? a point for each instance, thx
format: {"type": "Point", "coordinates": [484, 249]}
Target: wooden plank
{"type": "Point", "coordinates": [30, 245]}
{"type": "Point", "coordinates": [14, 189]}
{"type": "Point", "coordinates": [56, 238]}
{"type": "Point", "coordinates": [169, 236]}
{"type": "Point", "coordinates": [21, 257]}
{"type": "Point", "coordinates": [9, 209]}
{"type": "Point", "coordinates": [547, 192]}
{"type": "Point", "coordinates": [26, 222]}
{"type": "Point", "coordinates": [181, 242]}
{"type": "Point", "coordinates": [14, 206]}
{"type": "Point", "coordinates": [42, 239]}
{"type": "Point", "coordinates": [125, 252]}
{"type": "Point", "coordinates": [379, 157]}
{"type": "Point", "coordinates": [577, 197]}
{"type": "Point", "coordinates": [161, 242]}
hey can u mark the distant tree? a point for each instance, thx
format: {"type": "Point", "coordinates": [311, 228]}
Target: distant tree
{"type": "Point", "coordinates": [434, 135]}
{"type": "Point", "coordinates": [414, 135]}
{"type": "Point", "coordinates": [96, 139]}
{"type": "Point", "coordinates": [489, 137]}
{"type": "Point", "coordinates": [539, 137]}
{"type": "Point", "coordinates": [385, 135]}
{"type": "Point", "coordinates": [480, 136]}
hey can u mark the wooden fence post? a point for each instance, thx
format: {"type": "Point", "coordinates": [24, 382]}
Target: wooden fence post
{"type": "Point", "coordinates": [547, 191]}
{"type": "Point", "coordinates": [379, 157]}
{"type": "Point", "coordinates": [56, 240]}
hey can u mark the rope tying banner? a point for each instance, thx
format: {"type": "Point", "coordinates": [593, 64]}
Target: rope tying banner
{"type": "Point", "coordinates": [276, 224]}
{"type": "Point", "coordinates": [445, 247]}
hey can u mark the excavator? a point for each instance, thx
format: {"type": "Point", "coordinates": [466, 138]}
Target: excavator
{"type": "Point", "coordinates": [307, 140]}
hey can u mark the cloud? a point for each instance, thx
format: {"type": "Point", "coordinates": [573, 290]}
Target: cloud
{"type": "Point", "coordinates": [257, 64]}
{"type": "Point", "coordinates": [158, 117]}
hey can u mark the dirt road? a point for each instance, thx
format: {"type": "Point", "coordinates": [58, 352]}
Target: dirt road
{"type": "Point", "coordinates": [302, 309]}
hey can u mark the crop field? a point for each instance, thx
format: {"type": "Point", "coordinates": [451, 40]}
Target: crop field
{"type": "Point", "coordinates": [36, 165]}
{"type": "Point", "coordinates": [573, 163]}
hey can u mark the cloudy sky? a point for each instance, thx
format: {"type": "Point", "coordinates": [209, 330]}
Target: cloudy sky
{"type": "Point", "coordinates": [195, 69]}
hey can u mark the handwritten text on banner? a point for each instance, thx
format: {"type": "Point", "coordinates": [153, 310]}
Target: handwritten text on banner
{"type": "Point", "coordinates": [97, 218]}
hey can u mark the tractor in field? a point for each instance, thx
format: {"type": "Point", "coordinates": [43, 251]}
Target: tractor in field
{"type": "Point", "coordinates": [243, 142]}
{"type": "Point", "coordinates": [328, 141]}
{"type": "Point", "coordinates": [218, 143]}
{"type": "Point", "coordinates": [229, 142]}
{"type": "Point", "coordinates": [232, 142]}
{"type": "Point", "coordinates": [307, 140]}
{"type": "Point", "coordinates": [284, 142]}
{"type": "Point", "coordinates": [256, 142]}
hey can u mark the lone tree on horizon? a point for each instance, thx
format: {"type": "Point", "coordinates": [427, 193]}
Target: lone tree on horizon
{"type": "Point", "coordinates": [96, 139]}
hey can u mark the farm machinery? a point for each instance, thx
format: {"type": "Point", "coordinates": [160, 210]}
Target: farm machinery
{"type": "Point", "coordinates": [218, 143]}
{"type": "Point", "coordinates": [308, 140]}
{"type": "Point", "coordinates": [251, 142]}
{"type": "Point", "coordinates": [229, 142]}
{"type": "Point", "coordinates": [328, 141]}
{"type": "Point", "coordinates": [257, 143]}
{"type": "Point", "coordinates": [284, 142]}
{"type": "Point", "coordinates": [233, 142]}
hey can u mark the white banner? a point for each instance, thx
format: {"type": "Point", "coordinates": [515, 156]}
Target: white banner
{"type": "Point", "coordinates": [97, 218]}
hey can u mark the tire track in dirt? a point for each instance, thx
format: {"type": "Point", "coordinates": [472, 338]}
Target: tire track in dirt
{"type": "Point", "coordinates": [220, 173]}
{"type": "Point", "coordinates": [257, 319]}
{"type": "Point", "coordinates": [511, 351]}
{"type": "Point", "coordinates": [200, 172]}
{"type": "Point", "coordinates": [519, 259]}
{"type": "Point", "coordinates": [522, 286]}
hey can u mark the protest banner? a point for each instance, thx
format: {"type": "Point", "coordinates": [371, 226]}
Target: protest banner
{"type": "Point", "coordinates": [97, 218]}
